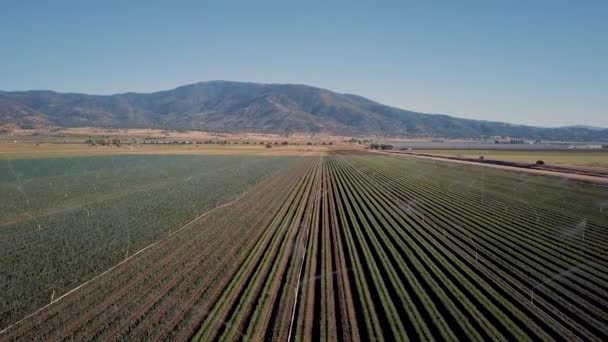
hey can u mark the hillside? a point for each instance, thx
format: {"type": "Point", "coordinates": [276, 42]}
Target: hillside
{"type": "Point", "coordinates": [236, 106]}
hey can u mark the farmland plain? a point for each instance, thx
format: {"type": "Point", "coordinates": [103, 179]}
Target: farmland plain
{"type": "Point", "coordinates": [352, 246]}
{"type": "Point", "coordinates": [585, 158]}
{"type": "Point", "coordinates": [63, 220]}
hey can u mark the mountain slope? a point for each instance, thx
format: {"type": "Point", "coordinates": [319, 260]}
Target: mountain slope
{"type": "Point", "coordinates": [237, 106]}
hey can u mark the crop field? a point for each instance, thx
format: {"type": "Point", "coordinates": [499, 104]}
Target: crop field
{"type": "Point", "coordinates": [346, 246]}
{"type": "Point", "coordinates": [64, 220]}
{"type": "Point", "coordinates": [586, 158]}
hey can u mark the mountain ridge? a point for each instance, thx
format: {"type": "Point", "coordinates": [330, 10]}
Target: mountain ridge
{"type": "Point", "coordinates": [254, 107]}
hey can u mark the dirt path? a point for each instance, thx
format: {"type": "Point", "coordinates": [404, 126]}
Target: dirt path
{"type": "Point", "coordinates": [570, 176]}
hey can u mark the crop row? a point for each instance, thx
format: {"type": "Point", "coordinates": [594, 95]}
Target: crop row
{"type": "Point", "coordinates": [66, 228]}
{"type": "Point", "coordinates": [363, 247]}
{"type": "Point", "coordinates": [506, 254]}
{"type": "Point", "coordinates": [166, 290]}
{"type": "Point", "coordinates": [400, 250]}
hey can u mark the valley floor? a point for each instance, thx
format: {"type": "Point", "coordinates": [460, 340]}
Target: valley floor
{"type": "Point", "coordinates": [356, 246]}
{"type": "Point", "coordinates": [51, 150]}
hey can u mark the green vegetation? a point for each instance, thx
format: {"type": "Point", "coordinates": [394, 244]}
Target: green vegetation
{"type": "Point", "coordinates": [481, 243]}
{"type": "Point", "coordinates": [65, 220]}
{"type": "Point", "coordinates": [578, 158]}
{"type": "Point", "coordinates": [362, 246]}
{"type": "Point", "coordinates": [383, 147]}
{"type": "Point", "coordinates": [400, 248]}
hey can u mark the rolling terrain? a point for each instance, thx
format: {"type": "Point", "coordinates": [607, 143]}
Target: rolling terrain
{"type": "Point", "coordinates": [223, 106]}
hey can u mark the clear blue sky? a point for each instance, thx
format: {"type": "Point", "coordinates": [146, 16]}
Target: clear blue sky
{"type": "Point", "coordinates": [533, 62]}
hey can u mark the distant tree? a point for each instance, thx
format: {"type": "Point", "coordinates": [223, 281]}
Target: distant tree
{"type": "Point", "coordinates": [269, 145]}
{"type": "Point", "coordinates": [374, 146]}
{"type": "Point", "coordinates": [540, 162]}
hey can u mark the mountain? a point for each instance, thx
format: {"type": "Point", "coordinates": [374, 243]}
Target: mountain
{"type": "Point", "coordinates": [593, 128]}
{"type": "Point", "coordinates": [251, 107]}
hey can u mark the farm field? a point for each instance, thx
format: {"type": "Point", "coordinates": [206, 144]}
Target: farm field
{"type": "Point", "coordinates": [30, 150]}
{"type": "Point", "coordinates": [356, 246]}
{"type": "Point", "coordinates": [598, 159]}
{"type": "Point", "coordinates": [64, 220]}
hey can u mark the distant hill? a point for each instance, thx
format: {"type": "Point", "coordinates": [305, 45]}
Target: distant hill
{"type": "Point", "coordinates": [593, 128]}
{"type": "Point", "coordinates": [251, 107]}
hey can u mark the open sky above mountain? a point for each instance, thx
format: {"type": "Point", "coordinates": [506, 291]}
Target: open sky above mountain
{"type": "Point", "coordinates": [540, 63]}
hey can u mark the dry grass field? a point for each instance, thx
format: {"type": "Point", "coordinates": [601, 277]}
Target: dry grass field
{"type": "Point", "coordinates": [78, 142]}
{"type": "Point", "coordinates": [41, 150]}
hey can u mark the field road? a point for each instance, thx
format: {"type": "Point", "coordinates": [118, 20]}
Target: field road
{"type": "Point", "coordinates": [570, 176]}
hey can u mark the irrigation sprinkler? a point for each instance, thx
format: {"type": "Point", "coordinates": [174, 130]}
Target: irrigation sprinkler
{"type": "Point", "coordinates": [574, 231]}
{"type": "Point", "coordinates": [483, 185]}
{"type": "Point", "coordinates": [472, 242]}
{"type": "Point", "coordinates": [53, 296]}
{"type": "Point", "coordinates": [529, 274]}
{"type": "Point", "coordinates": [532, 296]}
{"type": "Point", "coordinates": [555, 277]}
{"type": "Point", "coordinates": [584, 230]}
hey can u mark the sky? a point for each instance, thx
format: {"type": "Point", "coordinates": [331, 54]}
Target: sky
{"type": "Point", "coordinates": [531, 62]}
